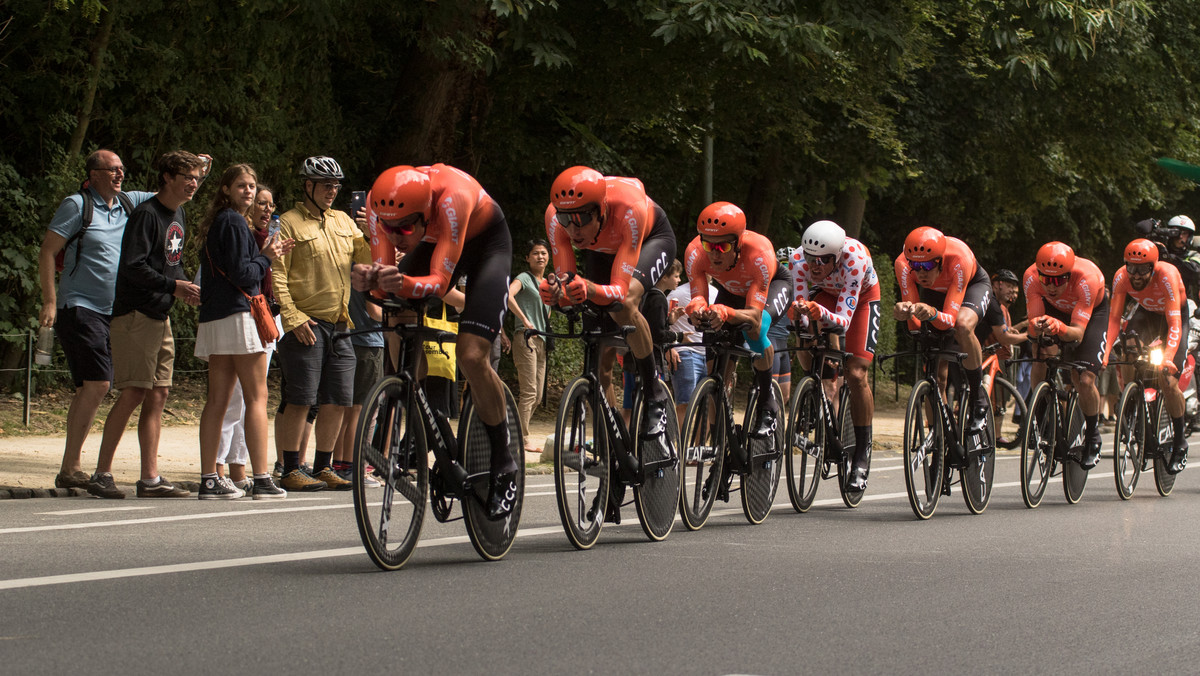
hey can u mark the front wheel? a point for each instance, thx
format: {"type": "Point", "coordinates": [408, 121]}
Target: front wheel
{"type": "Point", "coordinates": [657, 498]}
{"type": "Point", "coordinates": [1164, 481]}
{"type": "Point", "coordinates": [761, 480]}
{"type": "Point", "coordinates": [390, 444]}
{"type": "Point", "coordinates": [924, 449]}
{"type": "Point", "coordinates": [1074, 476]}
{"type": "Point", "coordinates": [1037, 444]}
{"type": "Point", "coordinates": [703, 444]}
{"type": "Point", "coordinates": [581, 467]}
{"type": "Point", "coordinates": [1129, 440]}
{"type": "Point", "coordinates": [491, 539]}
{"type": "Point", "coordinates": [805, 448]}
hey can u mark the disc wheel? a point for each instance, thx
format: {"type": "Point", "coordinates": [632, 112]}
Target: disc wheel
{"type": "Point", "coordinates": [491, 539]}
{"type": "Point", "coordinates": [386, 445]}
{"type": "Point", "coordinates": [805, 451]}
{"type": "Point", "coordinates": [1074, 475]}
{"type": "Point", "coordinates": [1037, 444]}
{"type": "Point", "coordinates": [657, 498]}
{"type": "Point", "coordinates": [581, 467]}
{"type": "Point", "coordinates": [703, 444]}
{"type": "Point", "coordinates": [980, 470]}
{"type": "Point", "coordinates": [1164, 481]}
{"type": "Point", "coordinates": [1129, 440]}
{"type": "Point", "coordinates": [850, 498]}
{"type": "Point", "coordinates": [761, 480]}
{"type": "Point", "coordinates": [1010, 412]}
{"type": "Point", "coordinates": [924, 449]}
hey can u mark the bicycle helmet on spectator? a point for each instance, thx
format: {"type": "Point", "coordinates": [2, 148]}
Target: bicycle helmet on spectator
{"type": "Point", "coordinates": [400, 192]}
{"type": "Point", "coordinates": [924, 244]}
{"type": "Point", "coordinates": [1055, 259]}
{"type": "Point", "coordinates": [721, 219]}
{"type": "Point", "coordinates": [784, 255]}
{"type": "Point", "coordinates": [1006, 275]}
{"type": "Point", "coordinates": [1141, 251]}
{"type": "Point", "coordinates": [321, 168]}
{"type": "Point", "coordinates": [578, 188]}
{"type": "Point", "coordinates": [823, 238]}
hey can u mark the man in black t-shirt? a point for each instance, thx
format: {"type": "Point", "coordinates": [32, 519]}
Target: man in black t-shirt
{"type": "Point", "coordinates": [150, 277]}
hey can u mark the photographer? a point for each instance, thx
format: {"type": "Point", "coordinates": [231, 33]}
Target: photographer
{"type": "Point", "coordinates": [1174, 246]}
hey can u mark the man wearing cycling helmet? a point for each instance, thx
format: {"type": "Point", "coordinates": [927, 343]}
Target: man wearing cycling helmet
{"type": "Point", "coordinates": [836, 286]}
{"type": "Point", "coordinates": [448, 227]}
{"type": "Point", "coordinates": [936, 271]}
{"type": "Point", "coordinates": [628, 244]}
{"type": "Point", "coordinates": [752, 292]}
{"type": "Point", "coordinates": [1158, 290]}
{"type": "Point", "coordinates": [1065, 298]}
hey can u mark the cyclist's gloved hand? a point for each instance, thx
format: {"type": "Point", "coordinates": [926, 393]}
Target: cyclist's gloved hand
{"type": "Point", "coordinates": [806, 308]}
{"type": "Point", "coordinates": [721, 313]}
{"type": "Point", "coordinates": [576, 289]}
{"type": "Point", "coordinates": [1053, 327]}
{"type": "Point", "coordinates": [695, 306]}
{"type": "Point", "coordinates": [548, 290]}
{"type": "Point", "coordinates": [1170, 368]}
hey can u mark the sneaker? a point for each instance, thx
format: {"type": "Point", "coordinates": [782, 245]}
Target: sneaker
{"type": "Point", "coordinates": [215, 488]}
{"type": "Point", "coordinates": [265, 489]}
{"type": "Point", "coordinates": [230, 484]}
{"type": "Point", "coordinates": [298, 480]}
{"type": "Point", "coordinates": [245, 485]}
{"type": "Point", "coordinates": [277, 471]}
{"type": "Point", "coordinates": [161, 488]}
{"type": "Point", "coordinates": [332, 481]}
{"type": "Point", "coordinates": [371, 482]}
{"type": "Point", "coordinates": [102, 485]}
{"type": "Point", "coordinates": [76, 479]}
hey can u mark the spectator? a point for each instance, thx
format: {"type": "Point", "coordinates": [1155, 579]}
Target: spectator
{"type": "Point", "coordinates": [81, 307]}
{"type": "Point", "coordinates": [232, 266]}
{"type": "Point", "coordinates": [368, 369]}
{"type": "Point", "coordinates": [529, 312]}
{"type": "Point", "coordinates": [312, 284]}
{"type": "Point", "coordinates": [149, 279]}
{"type": "Point", "coordinates": [690, 364]}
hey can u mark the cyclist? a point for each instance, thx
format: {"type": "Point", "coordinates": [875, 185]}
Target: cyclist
{"type": "Point", "coordinates": [628, 244]}
{"type": "Point", "coordinates": [753, 291]}
{"type": "Point", "coordinates": [1065, 298]}
{"type": "Point", "coordinates": [836, 285]}
{"type": "Point", "coordinates": [1159, 292]}
{"type": "Point", "coordinates": [936, 270]}
{"type": "Point", "coordinates": [447, 226]}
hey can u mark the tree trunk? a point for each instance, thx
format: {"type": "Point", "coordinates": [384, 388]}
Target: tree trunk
{"type": "Point", "coordinates": [760, 203]}
{"type": "Point", "coordinates": [851, 203]}
{"type": "Point", "coordinates": [99, 50]}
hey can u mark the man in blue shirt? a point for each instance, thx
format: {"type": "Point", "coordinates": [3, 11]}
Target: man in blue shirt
{"type": "Point", "coordinates": [81, 306]}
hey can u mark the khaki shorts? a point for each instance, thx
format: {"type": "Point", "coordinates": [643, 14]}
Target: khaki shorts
{"type": "Point", "coordinates": [143, 351]}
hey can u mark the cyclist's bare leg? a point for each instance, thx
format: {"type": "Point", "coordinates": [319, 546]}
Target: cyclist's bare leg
{"type": "Point", "coordinates": [964, 333]}
{"type": "Point", "coordinates": [474, 354]}
{"type": "Point", "coordinates": [862, 412]}
{"type": "Point", "coordinates": [641, 347]}
{"type": "Point", "coordinates": [1169, 385]}
{"type": "Point", "coordinates": [1089, 401]}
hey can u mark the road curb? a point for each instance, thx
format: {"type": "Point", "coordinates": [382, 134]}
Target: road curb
{"type": "Point", "coordinates": [22, 493]}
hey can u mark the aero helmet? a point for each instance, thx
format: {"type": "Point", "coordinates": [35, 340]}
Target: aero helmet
{"type": "Point", "coordinates": [1054, 259]}
{"type": "Point", "coordinates": [720, 219]}
{"type": "Point", "coordinates": [924, 244]}
{"type": "Point", "coordinates": [823, 238]}
{"type": "Point", "coordinates": [1141, 251]}
{"type": "Point", "coordinates": [400, 192]}
{"type": "Point", "coordinates": [577, 188]}
{"type": "Point", "coordinates": [1183, 223]}
{"type": "Point", "coordinates": [321, 168]}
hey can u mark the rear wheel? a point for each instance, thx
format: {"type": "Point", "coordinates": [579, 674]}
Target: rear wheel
{"type": "Point", "coordinates": [761, 480]}
{"type": "Point", "coordinates": [657, 498]}
{"type": "Point", "coordinates": [1010, 412]}
{"type": "Point", "coordinates": [703, 444]}
{"type": "Point", "coordinates": [805, 444]}
{"type": "Point", "coordinates": [1164, 481]}
{"type": "Point", "coordinates": [1129, 442]}
{"type": "Point", "coordinates": [387, 446]}
{"type": "Point", "coordinates": [979, 472]}
{"type": "Point", "coordinates": [581, 467]}
{"type": "Point", "coordinates": [1037, 444]}
{"type": "Point", "coordinates": [1074, 476]}
{"type": "Point", "coordinates": [491, 539]}
{"type": "Point", "coordinates": [924, 448]}
{"type": "Point", "coordinates": [846, 433]}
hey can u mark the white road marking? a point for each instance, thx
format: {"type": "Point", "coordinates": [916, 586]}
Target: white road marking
{"type": "Point", "coordinates": [72, 512]}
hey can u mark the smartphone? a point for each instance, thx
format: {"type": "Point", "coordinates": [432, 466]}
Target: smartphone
{"type": "Point", "coordinates": [273, 228]}
{"type": "Point", "coordinates": [358, 200]}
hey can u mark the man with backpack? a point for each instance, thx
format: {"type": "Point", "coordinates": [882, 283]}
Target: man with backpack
{"type": "Point", "coordinates": [87, 231]}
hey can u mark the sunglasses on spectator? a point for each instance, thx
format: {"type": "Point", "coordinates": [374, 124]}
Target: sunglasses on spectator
{"type": "Point", "coordinates": [576, 219]}
{"type": "Point", "coordinates": [1054, 280]}
{"type": "Point", "coordinates": [403, 226]}
{"type": "Point", "coordinates": [813, 259]}
{"type": "Point", "coordinates": [1139, 269]}
{"type": "Point", "coordinates": [924, 266]}
{"type": "Point", "coordinates": [115, 171]}
{"type": "Point", "coordinates": [716, 247]}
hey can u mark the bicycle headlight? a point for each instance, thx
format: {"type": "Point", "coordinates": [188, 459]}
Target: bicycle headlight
{"type": "Point", "coordinates": [1156, 356]}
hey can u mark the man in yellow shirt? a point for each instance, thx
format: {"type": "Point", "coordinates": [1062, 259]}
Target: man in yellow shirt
{"type": "Point", "coordinates": [312, 284]}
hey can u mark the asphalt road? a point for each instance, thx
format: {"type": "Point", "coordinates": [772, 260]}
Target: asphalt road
{"type": "Point", "coordinates": [186, 587]}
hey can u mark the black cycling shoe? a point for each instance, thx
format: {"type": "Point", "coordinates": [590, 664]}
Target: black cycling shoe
{"type": "Point", "coordinates": [657, 401]}
{"type": "Point", "coordinates": [1178, 456]}
{"type": "Point", "coordinates": [1091, 455]}
{"type": "Point", "coordinates": [768, 422]}
{"type": "Point", "coordinates": [979, 411]}
{"type": "Point", "coordinates": [859, 468]}
{"type": "Point", "coordinates": [502, 495]}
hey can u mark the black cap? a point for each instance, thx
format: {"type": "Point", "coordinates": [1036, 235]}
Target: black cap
{"type": "Point", "coordinates": [1006, 275]}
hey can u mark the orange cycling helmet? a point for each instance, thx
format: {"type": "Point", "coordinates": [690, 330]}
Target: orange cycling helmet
{"type": "Point", "coordinates": [400, 192]}
{"type": "Point", "coordinates": [1055, 259]}
{"type": "Point", "coordinates": [1141, 251]}
{"type": "Point", "coordinates": [578, 188]}
{"type": "Point", "coordinates": [720, 219]}
{"type": "Point", "coordinates": [924, 244]}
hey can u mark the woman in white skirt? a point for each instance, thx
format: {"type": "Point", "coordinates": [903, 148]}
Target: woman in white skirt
{"type": "Point", "coordinates": [231, 263]}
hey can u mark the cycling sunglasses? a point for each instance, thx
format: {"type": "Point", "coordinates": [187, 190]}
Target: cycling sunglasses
{"type": "Point", "coordinates": [716, 247]}
{"type": "Point", "coordinates": [827, 259]}
{"type": "Point", "coordinates": [1139, 269]}
{"type": "Point", "coordinates": [1054, 280]}
{"type": "Point", "coordinates": [403, 226]}
{"type": "Point", "coordinates": [925, 266]}
{"type": "Point", "coordinates": [576, 219]}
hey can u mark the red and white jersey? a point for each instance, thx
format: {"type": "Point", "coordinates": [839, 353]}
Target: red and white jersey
{"type": "Point", "coordinates": [1083, 292]}
{"type": "Point", "coordinates": [854, 274]}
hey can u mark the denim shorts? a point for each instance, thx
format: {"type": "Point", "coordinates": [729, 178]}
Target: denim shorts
{"type": "Point", "coordinates": [691, 369]}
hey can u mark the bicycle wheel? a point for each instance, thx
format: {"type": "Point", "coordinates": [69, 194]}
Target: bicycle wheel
{"type": "Point", "coordinates": [657, 498]}
{"type": "Point", "coordinates": [1037, 444]}
{"type": "Point", "coordinates": [1164, 481]}
{"type": "Point", "coordinates": [761, 480]}
{"type": "Point", "coordinates": [846, 432]}
{"type": "Point", "coordinates": [491, 539]}
{"type": "Point", "coordinates": [387, 445]}
{"type": "Point", "coordinates": [1074, 476]}
{"type": "Point", "coordinates": [1009, 407]}
{"type": "Point", "coordinates": [703, 444]}
{"type": "Point", "coordinates": [1129, 440]}
{"type": "Point", "coordinates": [924, 449]}
{"type": "Point", "coordinates": [979, 473]}
{"type": "Point", "coordinates": [581, 471]}
{"type": "Point", "coordinates": [806, 444]}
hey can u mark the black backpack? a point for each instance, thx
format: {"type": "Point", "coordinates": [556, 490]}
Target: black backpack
{"type": "Point", "coordinates": [85, 216]}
